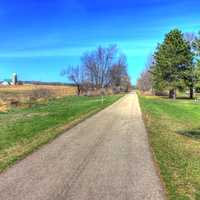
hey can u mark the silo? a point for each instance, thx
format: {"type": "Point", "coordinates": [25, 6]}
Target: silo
{"type": "Point", "coordinates": [14, 78]}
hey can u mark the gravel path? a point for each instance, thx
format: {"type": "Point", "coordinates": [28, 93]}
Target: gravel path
{"type": "Point", "coordinates": [105, 157]}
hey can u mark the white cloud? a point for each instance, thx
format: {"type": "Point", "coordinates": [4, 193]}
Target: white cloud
{"type": "Point", "coordinates": [46, 53]}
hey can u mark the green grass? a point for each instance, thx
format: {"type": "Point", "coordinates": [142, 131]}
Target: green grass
{"type": "Point", "coordinates": [174, 133]}
{"type": "Point", "coordinates": [24, 130]}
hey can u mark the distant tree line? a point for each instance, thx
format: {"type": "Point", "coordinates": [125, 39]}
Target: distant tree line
{"type": "Point", "coordinates": [175, 65]}
{"type": "Point", "coordinates": [101, 68]}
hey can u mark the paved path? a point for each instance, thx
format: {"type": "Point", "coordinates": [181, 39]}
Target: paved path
{"type": "Point", "coordinates": [105, 157]}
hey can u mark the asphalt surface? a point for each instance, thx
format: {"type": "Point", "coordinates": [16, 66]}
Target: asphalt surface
{"type": "Point", "coordinates": [105, 157]}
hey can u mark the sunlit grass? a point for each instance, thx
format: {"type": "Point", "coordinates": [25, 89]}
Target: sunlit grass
{"type": "Point", "coordinates": [173, 128]}
{"type": "Point", "coordinates": [23, 130]}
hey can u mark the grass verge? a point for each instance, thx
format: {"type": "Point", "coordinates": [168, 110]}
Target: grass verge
{"type": "Point", "coordinates": [174, 134]}
{"type": "Point", "coordinates": [25, 130]}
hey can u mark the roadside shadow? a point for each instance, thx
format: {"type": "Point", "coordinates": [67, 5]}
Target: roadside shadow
{"type": "Point", "coordinates": [184, 98]}
{"type": "Point", "coordinates": [194, 133]}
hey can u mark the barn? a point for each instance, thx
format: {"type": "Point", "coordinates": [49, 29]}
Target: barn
{"type": "Point", "coordinates": [6, 82]}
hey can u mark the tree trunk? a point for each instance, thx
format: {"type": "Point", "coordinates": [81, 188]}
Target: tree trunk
{"type": "Point", "coordinates": [78, 90]}
{"type": "Point", "coordinates": [191, 93]}
{"type": "Point", "coordinates": [172, 94]}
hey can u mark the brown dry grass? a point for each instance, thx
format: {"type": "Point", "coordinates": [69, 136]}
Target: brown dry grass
{"type": "Point", "coordinates": [58, 90]}
{"type": "Point", "coordinates": [21, 94]}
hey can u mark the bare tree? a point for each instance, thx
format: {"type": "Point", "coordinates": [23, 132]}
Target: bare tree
{"type": "Point", "coordinates": [74, 74]}
{"type": "Point", "coordinates": [100, 68]}
{"type": "Point", "coordinates": [144, 83]}
{"type": "Point", "coordinates": [98, 64]}
{"type": "Point", "coordinates": [119, 75]}
{"type": "Point", "coordinates": [191, 38]}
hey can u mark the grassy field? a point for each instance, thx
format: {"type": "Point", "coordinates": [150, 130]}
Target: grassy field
{"type": "Point", "coordinates": [22, 89]}
{"type": "Point", "coordinates": [24, 130]}
{"type": "Point", "coordinates": [174, 133]}
{"type": "Point", "coordinates": [25, 95]}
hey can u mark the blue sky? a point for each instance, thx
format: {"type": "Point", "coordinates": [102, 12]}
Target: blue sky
{"type": "Point", "coordinates": [39, 38]}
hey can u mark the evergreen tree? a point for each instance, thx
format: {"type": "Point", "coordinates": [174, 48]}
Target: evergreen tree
{"type": "Point", "coordinates": [173, 61]}
{"type": "Point", "coordinates": [196, 49]}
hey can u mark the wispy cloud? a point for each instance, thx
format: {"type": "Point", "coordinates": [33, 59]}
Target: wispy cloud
{"type": "Point", "coordinates": [68, 52]}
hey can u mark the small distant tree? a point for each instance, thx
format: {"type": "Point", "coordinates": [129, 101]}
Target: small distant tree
{"type": "Point", "coordinates": [74, 74]}
{"type": "Point", "coordinates": [191, 38]}
{"type": "Point", "coordinates": [144, 82]}
{"type": "Point", "coordinates": [118, 74]}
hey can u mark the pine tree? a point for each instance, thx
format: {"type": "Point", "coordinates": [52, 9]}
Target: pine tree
{"type": "Point", "coordinates": [196, 49]}
{"type": "Point", "coordinates": [173, 60]}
